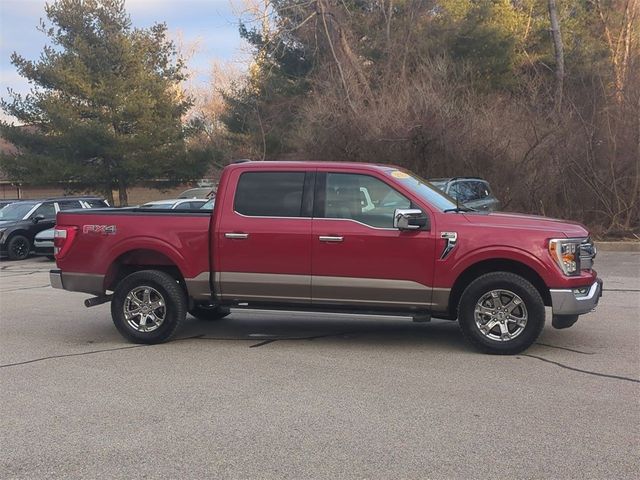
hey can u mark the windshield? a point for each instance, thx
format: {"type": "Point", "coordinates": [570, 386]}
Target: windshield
{"type": "Point", "coordinates": [15, 211]}
{"type": "Point", "coordinates": [423, 189]}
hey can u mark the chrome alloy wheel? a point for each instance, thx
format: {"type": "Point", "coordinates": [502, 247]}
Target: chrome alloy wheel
{"type": "Point", "coordinates": [144, 309]}
{"type": "Point", "coordinates": [500, 315]}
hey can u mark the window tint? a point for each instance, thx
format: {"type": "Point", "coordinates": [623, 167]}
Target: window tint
{"type": "Point", "coordinates": [69, 204]}
{"type": "Point", "coordinates": [362, 198]}
{"type": "Point", "coordinates": [270, 194]}
{"type": "Point", "coordinates": [46, 209]}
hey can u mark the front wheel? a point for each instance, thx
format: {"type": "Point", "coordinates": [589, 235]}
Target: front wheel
{"type": "Point", "coordinates": [501, 313]}
{"type": "Point", "coordinates": [18, 247]}
{"type": "Point", "coordinates": [148, 306]}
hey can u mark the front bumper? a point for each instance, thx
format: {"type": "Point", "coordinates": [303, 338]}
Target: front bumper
{"type": "Point", "coordinates": [571, 302]}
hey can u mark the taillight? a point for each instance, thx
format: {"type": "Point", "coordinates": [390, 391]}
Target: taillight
{"type": "Point", "coordinates": [63, 237]}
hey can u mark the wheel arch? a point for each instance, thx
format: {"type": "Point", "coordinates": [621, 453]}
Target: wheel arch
{"type": "Point", "coordinates": [494, 265]}
{"type": "Point", "coordinates": [141, 259]}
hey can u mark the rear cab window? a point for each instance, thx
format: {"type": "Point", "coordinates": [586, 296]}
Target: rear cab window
{"type": "Point", "coordinates": [270, 194]}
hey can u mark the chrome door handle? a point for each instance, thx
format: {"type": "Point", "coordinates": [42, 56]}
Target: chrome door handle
{"type": "Point", "coordinates": [237, 236]}
{"type": "Point", "coordinates": [324, 238]}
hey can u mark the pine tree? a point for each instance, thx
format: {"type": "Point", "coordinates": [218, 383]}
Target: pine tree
{"type": "Point", "coordinates": [105, 109]}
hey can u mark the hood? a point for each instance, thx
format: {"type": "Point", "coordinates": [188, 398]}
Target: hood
{"type": "Point", "coordinates": [8, 223]}
{"type": "Point", "coordinates": [528, 222]}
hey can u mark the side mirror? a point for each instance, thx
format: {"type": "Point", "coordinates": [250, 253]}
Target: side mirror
{"type": "Point", "coordinates": [410, 219]}
{"type": "Point", "coordinates": [38, 218]}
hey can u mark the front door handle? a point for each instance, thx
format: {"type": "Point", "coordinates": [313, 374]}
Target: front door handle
{"type": "Point", "coordinates": [326, 238]}
{"type": "Point", "coordinates": [237, 236]}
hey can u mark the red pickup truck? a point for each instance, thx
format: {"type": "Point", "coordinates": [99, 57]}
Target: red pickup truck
{"type": "Point", "coordinates": [330, 237]}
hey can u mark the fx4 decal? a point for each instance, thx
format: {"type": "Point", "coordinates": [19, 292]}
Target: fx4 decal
{"type": "Point", "coordinates": [99, 229]}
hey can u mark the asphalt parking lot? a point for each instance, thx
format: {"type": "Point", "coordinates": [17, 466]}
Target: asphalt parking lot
{"type": "Point", "coordinates": [296, 395]}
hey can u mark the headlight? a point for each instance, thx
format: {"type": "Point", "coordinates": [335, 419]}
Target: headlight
{"type": "Point", "coordinates": [566, 253]}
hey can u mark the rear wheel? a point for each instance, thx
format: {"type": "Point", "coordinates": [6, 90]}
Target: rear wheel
{"type": "Point", "coordinates": [148, 306]}
{"type": "Point", "coordinates": [18, 247]}
{"type": "Point", "coordinates": [209, 312]}
{"type": "Point", "coordinates": [501, 313]}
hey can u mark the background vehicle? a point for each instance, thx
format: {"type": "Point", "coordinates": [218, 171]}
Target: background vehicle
{"type": "Point", "coordinates": [43, 241]}
{"type": "Point", "coordinates": [330, 236]}
{"type": "Point", "coordinates": [201, 192]}
{"type": "Point", "coordinates": [209, 205]}
{"type": "Point", "coordinates": [8, 201]}
{"type": "Point", "coordinates": [470, 191]}
{"type": "Point", "coordinates": [22, 220]}
{"type": "Point", "coordinates": [178, 203]}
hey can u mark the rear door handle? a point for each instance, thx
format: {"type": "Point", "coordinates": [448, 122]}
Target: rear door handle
{"type": "Point", "coordinates": [326, 238]}
{"type": "Point", "coordinates": [237, 236]}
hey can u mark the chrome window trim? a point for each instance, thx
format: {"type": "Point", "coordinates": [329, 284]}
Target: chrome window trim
{"type": "Point", "coordinates": [356, 221]}
{"type": "Point", "coordinates": [272, 217]}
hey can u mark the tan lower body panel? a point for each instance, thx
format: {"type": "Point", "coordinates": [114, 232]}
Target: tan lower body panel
{"type": "Point", "coordinates": [266, 287]}
{"type": "Point", "coordinates": [364, 292]}
{"type": "Point", "coordinates": [198, 287]}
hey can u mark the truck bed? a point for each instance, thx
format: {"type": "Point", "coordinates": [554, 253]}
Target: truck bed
{"type": "Point", "coordinates": [112, 237]}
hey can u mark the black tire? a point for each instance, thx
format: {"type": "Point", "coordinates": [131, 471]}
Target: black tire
{"type": "Point", "coordinates": [209, 313]}
{"type": "Point", "coordinates": [525, 302]}
{"type": "Point", "coordinates": [18, 247]}
{"type": "Point", "coordinates": [172, 306]}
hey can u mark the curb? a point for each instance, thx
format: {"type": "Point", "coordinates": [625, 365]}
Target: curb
{"type": "Point", "coordinates": [629, 246]}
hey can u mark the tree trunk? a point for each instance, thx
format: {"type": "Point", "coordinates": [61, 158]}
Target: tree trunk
{"type": "Point", "coordinates": [559, 54]}
{"type": "Point", "coordinates": [123, 197]}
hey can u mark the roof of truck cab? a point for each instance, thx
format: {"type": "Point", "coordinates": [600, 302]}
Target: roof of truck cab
{"type": "Point", "coordinates": [268, 164]}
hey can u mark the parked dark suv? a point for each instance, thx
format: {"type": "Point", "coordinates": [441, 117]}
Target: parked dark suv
{"type": "Point", "coordinates": [472, 192]}
{"type": "Point", "coordinates": [22, 220]}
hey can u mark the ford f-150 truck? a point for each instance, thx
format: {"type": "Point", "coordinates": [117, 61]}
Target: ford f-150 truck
{"type": "Point", "coordinates": [333, 237]}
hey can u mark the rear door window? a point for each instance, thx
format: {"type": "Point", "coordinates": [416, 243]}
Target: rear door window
{"type": "Point", "coordinates": [69, 204]}
{"type": "Point", "coordinates": [270, 194]}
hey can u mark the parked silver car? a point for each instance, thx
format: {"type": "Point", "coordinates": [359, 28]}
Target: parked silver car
{"type": "Point", "coordinates": [176, 204]}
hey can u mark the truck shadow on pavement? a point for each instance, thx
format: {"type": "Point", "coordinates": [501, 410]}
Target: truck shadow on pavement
{"type": "Point", "coordinates": [262, 330]}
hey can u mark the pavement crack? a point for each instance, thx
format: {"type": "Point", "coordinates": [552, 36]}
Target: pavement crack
{"type": "Point", "coordinates": [24, 288]}
{"type": "Point", "coordinates": [565, 348]}
{"type": "Point", "coordinates": [588, 372]}
{"type": "Point", "coordinates": [24, 274]}
{"type": "Point", "coordinates": [51, 357]}
{"type": "Point", "coordinates": [91, 352]}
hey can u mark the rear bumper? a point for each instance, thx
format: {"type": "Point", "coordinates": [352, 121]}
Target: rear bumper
{"type": "Point", "coordinates": [77, 282]}
{"type": "Point", "coordinates": [572, 302]}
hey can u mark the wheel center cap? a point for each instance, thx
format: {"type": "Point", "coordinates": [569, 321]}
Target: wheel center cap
{"type": "Point", "coordinates": [501, 315]}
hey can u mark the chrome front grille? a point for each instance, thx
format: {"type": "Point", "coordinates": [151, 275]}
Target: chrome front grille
{"type": "Point", "coordinates": [587, 254]}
